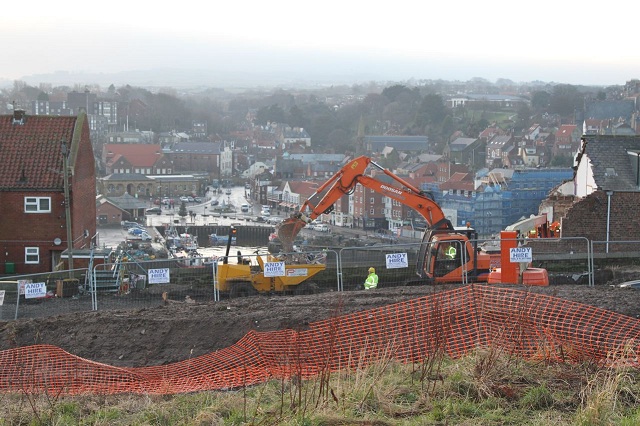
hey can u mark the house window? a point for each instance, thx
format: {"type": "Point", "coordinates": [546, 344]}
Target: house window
{"type": "Point", "coordinates": [372, 200]}
{"type": "Point", "coordinates": [31, 255]}
{"type": "Point", "coordinates": [37, 204]}
{"type": "Point", "coordinates": [372, 211]}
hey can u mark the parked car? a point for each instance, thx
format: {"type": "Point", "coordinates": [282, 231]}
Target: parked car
{"type": "Point", "coordinates": [184, 199]}
{"type": "Point", "coordinates": [136, 231]}
{"type": "Point", "coordinates": [323, 227]}
{"type": "Point", "coordinates": [265, 213]}
{"type": "Point", "coordinates": [191, 199]}
{"type": "Point", "coordinates": [244, 208]}
{"type": "Point", "coordinates": [152, 210]}
{"type": "Point", "coordinates": [214, 202]}
{"type": "Point", "coordinates": [144, 236]}
{"type": "Point", "coordinates": [228, 192]}
{"type": "Point", "coordinates": [274, 220]}
{"type": "Point", "coordinates": [127, 224]}
{"type": "Point", "coordinates": [197, 199]}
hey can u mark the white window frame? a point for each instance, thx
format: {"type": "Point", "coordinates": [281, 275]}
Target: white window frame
{"type": "Point", "coordinates": [35, 202]}
{"type": "Point", "coordinates": [30, 253]}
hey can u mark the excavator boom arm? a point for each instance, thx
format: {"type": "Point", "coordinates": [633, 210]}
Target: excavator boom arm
{"type": "Point", "coordinates": [428, 208]}
{"type": "Point", "coordinates": [344, 182]}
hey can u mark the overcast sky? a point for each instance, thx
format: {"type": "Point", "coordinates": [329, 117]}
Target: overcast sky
{"type": "Point", "coordinates": [560, 41]}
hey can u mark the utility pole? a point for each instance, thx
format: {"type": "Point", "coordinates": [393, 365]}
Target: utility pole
{"type": "Point", "coordinates": [67, 205]}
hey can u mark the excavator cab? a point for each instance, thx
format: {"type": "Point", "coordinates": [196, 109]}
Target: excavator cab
{"type": "Point", "coordinates": [448, 255]}
{"type": "Point", "coordinates": [446, 260]}
{"type": "Point", "coordinates": [451, 256]}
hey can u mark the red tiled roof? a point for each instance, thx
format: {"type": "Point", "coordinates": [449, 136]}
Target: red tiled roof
{"type": "Point", "coordinates": [139, 155]}
{"type": "Point", "coordinates": [566, 129]}
{"type": "Point", "coordinates": [459, 181]}
{"type": "Point", "coordinates": [303, 188]}
{"type": "Point", "coordinates": [32, 152]}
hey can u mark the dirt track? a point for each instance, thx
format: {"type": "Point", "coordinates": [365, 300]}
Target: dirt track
{"type": "Point", "coordinates": [180, 330]}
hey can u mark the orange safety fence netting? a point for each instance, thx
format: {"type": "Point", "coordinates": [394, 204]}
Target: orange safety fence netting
{"type": "Point", "coordinates": [453, 322]}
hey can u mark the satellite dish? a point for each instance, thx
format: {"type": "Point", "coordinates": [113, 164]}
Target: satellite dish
{"type": "Point", "coordinates": [57, 241]}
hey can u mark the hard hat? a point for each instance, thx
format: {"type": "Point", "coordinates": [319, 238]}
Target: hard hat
{"type": "Point", "coordinates": [372, 271]}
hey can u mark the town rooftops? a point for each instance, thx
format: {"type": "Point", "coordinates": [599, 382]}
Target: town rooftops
{"type": "Point", "coordinates": [401, 143]}
{"type": "Point", "coordinates": [210, 148]}
{"type": "Point", "coordinates": [461, 144]}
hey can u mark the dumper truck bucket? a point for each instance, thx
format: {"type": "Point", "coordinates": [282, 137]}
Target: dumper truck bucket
{"type": "Point", "coordinates": [287, 231]}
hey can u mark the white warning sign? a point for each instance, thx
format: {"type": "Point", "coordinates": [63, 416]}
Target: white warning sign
{"type": "Point", "coordinates": [298, 272]}
{"type": "Point", "coordinates": [159, 276]}
{"type": "Point", "coordinates": [274, 269]}
{"type": "Point", "coordinates": [35, 290]}
{"type": "Point", "coordinates": [520, 254]}
{"type": "Point", "coordinates": [397, 260]}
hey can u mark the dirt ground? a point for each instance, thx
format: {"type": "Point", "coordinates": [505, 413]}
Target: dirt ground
{"type": "Point", "coordinates": [180, 330]}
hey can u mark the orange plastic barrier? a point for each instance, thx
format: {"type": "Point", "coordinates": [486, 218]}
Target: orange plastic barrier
{"type": "Point", "coordinates": [457, 321]}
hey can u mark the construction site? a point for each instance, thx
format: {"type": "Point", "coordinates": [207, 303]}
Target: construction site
{"type": "Point", "coordinates": [134, 325]}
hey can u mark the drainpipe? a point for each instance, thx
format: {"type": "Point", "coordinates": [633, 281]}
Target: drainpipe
{"type": "Point", "coordinates": [609, 194]}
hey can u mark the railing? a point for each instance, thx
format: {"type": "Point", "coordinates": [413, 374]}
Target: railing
{"type": "Point", "coordinates": [131, 284]}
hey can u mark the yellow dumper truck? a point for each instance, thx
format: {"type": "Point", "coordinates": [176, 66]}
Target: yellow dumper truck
{"type": "Point", "coordinates": [284, 274]}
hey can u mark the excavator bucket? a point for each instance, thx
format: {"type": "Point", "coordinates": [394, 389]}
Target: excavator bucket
{"type": "Point", "coordinates": [287, 231]}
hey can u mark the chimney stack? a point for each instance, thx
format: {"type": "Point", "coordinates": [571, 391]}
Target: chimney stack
{"type": "Point", "coordinates": [19, 117]}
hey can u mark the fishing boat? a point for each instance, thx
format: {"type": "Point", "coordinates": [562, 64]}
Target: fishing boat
{"type": "Point", "coordinates": [185, 241]}
{"type": "Point", "coordinates": [220, 240]}
{"type": "Point", "coordinates": [191, 259]}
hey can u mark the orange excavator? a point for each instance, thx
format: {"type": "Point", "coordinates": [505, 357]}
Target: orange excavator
{"type": "Point", "coordinates": [447, 254]}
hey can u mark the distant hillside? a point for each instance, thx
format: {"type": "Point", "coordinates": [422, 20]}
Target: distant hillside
{"type": "Point", "coordinates": [181, 79]}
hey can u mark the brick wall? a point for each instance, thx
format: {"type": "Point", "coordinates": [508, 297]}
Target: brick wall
{"type": "Point", "coordinates": [588, 217]}
{"type": "Point", "coordinates": [83, 192]}
{"type": "Point", "coordinates": [559, 204]}
{"type": "Point", "coordinates": [112, 213]}
{"type": "Point", "coordinates": [31, 230]}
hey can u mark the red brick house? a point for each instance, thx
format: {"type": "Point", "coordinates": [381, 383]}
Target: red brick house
{"type": "Point", "coordinates": [33, 230]}
{"type": "Point", "coordinates": [145, 159]}
{"type": "Point", "coordinates": [567, 140]}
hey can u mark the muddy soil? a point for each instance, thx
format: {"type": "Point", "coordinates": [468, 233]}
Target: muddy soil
{"type": "Point", "coordinates": [179, 330]}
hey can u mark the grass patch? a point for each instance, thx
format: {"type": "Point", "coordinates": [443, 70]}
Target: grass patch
{"type": "Point", "coordinates": [484, 388]}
